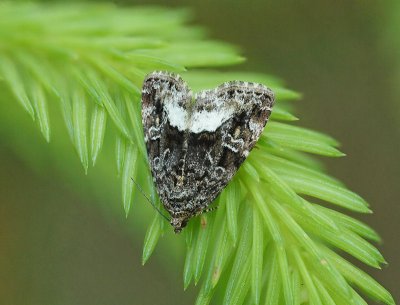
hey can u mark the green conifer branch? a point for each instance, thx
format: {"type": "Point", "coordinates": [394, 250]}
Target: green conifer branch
{"type": "Point", "coordinates": [269, 242]}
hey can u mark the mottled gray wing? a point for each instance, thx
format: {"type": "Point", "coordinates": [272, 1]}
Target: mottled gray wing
{"type": "Point", "coordinates": [166, 102]}
{"type": "Point", "coordinates": [194, 149]}
{"type": "Point", "coordinates": [225, 125]}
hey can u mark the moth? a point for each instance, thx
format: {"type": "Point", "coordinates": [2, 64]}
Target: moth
{"type": "Point", "coordinates": [197, 142]}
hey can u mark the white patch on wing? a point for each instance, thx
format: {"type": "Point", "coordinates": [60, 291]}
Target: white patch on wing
{"type": "Point", "coordinates": [210, 120]}
{"type": "Point", "coordinates": [255, 126]}
{"type": "Point", "coordinates": [177, 116]}
{"type": "Point", "coordinates": [198, 121]}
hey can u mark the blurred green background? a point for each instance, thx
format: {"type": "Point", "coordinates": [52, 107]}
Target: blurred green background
{"type": "Point", "coordinates": [58, 247]}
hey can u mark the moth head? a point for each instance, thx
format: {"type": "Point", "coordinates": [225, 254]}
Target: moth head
{"type": "Point", "coordinates": [179, 223]}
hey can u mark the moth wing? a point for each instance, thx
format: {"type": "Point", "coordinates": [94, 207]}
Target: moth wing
{"type": "Point", "coordinates": [226, 124]}
{"type": "Point", "coordinates": [162, 92]}
{"type": "Point", "coordinates": [166, 102]}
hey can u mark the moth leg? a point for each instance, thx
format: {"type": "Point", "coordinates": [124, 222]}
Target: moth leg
{"type": "Point", "coordinates": [210, 209]}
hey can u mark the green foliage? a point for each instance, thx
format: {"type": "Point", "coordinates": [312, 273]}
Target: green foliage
{"type": "Point", "coordinates": [269, 242]}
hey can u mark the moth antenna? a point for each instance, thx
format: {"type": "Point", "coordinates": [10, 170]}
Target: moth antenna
{"type": "Point", "coordinates": [150, 201]}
